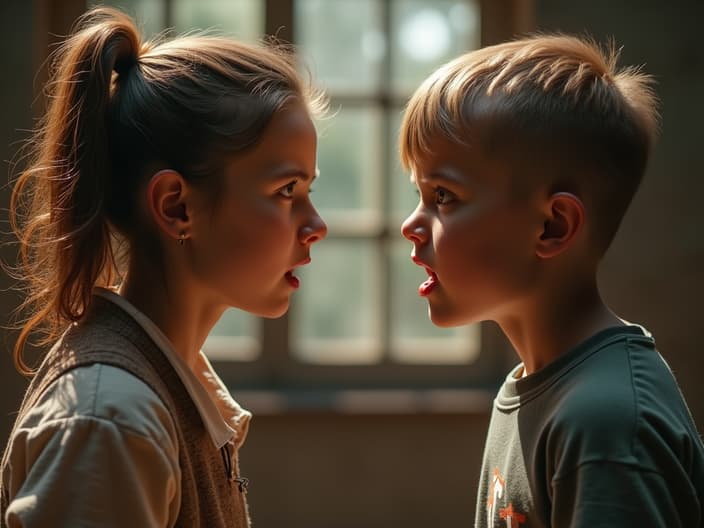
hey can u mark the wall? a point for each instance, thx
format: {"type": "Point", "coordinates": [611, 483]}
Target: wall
{"type": "Point", "coordinates": [18, 68]}
{"type": "Point", "coordinates": [654, 272]}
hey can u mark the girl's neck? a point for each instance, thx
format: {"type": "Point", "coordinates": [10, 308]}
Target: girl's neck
{"type": "Point", "coordinates": [176, 311]}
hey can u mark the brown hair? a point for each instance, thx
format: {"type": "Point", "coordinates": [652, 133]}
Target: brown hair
{"type": "Point", "coordinates": [555, 97]}
{"type": "Point", "coordinates": [118, 106]}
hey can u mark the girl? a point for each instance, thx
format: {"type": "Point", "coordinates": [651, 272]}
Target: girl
{"type": "Point", "coordinates": [181, 172]}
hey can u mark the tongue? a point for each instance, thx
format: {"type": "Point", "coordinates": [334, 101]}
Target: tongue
{"type": "Point", "coordinates": [428, 286]}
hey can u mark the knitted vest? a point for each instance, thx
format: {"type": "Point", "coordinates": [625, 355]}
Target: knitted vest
{"type": "Point", "coordinates": [210, 495]}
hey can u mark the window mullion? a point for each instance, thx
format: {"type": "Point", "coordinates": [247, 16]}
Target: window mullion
{"type": "Point", "coordinates": [275, 333]}
{"type": "Point", "coordinates": [385, 188]}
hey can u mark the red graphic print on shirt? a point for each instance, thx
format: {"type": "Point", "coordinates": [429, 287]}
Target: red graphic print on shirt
{"type": "Point", "coordinates": [496, 492]}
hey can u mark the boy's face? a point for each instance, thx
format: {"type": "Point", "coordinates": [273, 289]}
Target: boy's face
{"type": "Point", "coordinates": [474, 232]}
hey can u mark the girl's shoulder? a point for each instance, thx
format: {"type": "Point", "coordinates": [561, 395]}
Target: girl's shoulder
{"type": "Point", "coordinates": [100, 425]}
{"type": "Point", "coordinates": [102, 393]}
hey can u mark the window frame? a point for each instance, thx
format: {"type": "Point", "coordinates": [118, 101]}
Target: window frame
{"type": "Point", "coordinates": [276, 366]}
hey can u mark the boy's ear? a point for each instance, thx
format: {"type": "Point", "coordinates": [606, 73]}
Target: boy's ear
{"type": "Point", "coordinates": [166, 202]}
{"type": "Point", "coordinates": [564, 219]}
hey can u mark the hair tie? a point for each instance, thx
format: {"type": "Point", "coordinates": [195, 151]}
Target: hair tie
{"type": "Point", "coordinates": [124, 64]}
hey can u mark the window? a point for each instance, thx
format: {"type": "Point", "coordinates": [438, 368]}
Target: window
{"type": "Point", "coordinates": [357, 321]}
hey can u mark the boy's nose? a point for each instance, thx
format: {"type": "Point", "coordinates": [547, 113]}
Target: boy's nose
{"type": "Point", "coordinates": [414, 230]}
{"type": "Point", "coordinates": [313, 231]}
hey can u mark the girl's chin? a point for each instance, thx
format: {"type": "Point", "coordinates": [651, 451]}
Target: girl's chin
{"type": "Point", "coordinates": [273, 311]}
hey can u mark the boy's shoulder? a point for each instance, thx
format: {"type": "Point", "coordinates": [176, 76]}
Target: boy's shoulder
{"type": "Point", "coordinates": [620, 402]}
{"type": "Point", "coordinates": [616, 375]}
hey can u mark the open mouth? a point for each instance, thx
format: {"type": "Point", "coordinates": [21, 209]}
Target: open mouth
{"type": "Point", "coordinates": [429, 285]}
{"type": "Point", "coordinates": [292, 279]}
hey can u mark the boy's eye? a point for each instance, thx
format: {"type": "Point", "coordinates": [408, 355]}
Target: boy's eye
{"type": "Point", "coordinates": [287, 190]}
{"type": "Point", "coordinates": [443, 196]}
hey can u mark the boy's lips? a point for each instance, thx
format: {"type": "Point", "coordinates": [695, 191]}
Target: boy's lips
{"type": "Point", "coordinates": [294, 281]}
{"type": "Point", "coordinates": [429, 285]}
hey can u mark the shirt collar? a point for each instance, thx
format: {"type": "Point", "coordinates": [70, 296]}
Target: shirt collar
{"type": "Point", "coordinates": [224, 419]}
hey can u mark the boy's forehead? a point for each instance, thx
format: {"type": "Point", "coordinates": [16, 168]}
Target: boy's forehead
{"type": "Point", "coordinates": [470, 163]}
{"type": "Point", "coordinates": [440, 152]}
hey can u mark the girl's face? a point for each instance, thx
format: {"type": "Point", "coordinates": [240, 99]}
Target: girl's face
{"type": "Point", "coordinates": [246, 246]}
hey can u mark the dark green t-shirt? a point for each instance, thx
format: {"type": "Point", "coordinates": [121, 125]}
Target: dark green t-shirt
{"type": "Point", "coordinates": [599, 437]}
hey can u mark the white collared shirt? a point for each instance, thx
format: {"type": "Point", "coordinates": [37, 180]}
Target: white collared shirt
{"type": "Point", "coordinates": [99, 448]}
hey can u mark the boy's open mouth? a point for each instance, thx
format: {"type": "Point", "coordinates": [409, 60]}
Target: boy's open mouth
{"type": "Point", "coordinates": [432, 281]}
{"type": "Point", "coordinates": [429, 285]}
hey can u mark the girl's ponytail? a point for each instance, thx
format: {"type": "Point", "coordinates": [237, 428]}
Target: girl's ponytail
{"type": "Point", "coordinates": [117, 109]}
{"type": "Point", "coordinates": [57, 208]}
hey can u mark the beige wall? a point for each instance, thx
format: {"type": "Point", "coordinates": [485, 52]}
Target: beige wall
{"type": "Point", "coordinates": [322, 469]}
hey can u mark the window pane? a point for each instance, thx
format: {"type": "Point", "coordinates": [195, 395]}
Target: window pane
{"type": "Point", "coordinates": [243, 19]}
{"type": "Point", "coordinates": [233, 337]}
{"type": "Point", "coordinates": [149, 14]}
{"type": "Point", "coordinates": [348, 190]}
{"type": "Point", "coordinates": [427, 33]}
{"type": "Point", "coordinates": [335, 316]}
{"type": "Point", "coordinates": [414, 339]}
{"type": "Point", "coordinates": [342, 42]}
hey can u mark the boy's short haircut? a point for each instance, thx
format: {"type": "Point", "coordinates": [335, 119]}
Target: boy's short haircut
{"type": "Point", "coordinates": [554, 99]}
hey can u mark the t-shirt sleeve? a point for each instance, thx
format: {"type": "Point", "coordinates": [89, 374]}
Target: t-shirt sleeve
{"type": "Point", "coordinates": [116, 466]}
{"type": "Point", "coordinates": [609, 494]}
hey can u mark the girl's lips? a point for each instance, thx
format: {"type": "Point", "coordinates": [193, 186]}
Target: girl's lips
{"type": "Point", "coordinates": [292, 279]}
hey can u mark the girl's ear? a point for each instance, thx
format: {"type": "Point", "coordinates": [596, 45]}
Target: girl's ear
{"type": "Point", "coordinates": [167, 194]}
{"type": "Point", "coordinates": [564, 219]}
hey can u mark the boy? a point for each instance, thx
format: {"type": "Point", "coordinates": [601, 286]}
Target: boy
{"type": "Point", "coordinates": [526, 156]}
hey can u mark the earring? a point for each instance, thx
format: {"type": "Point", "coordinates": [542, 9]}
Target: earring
{"type": "Point", "coordinates": [181, 238]}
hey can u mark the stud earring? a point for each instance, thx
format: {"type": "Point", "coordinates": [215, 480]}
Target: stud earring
{"type": "Point", "coordinates": [181, 238]}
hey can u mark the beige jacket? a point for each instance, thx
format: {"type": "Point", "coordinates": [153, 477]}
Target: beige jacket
{"type": "Point", "coordinates": [100, 447]}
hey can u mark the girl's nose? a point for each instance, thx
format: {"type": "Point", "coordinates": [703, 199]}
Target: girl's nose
{"type": "Point", "coordinates": [414, 229]}
{"type": "Point", "coordinates": [313, 230]}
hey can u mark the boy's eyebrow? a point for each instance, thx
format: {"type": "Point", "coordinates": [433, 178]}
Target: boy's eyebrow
{"type": "Point", "coordinates": [444, 174]}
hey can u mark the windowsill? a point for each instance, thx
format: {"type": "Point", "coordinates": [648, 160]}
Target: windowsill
{"type": "Point", "coordinates": [366, 401]}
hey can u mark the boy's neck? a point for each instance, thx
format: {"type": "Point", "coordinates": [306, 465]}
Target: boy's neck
{"type": "Point", "coordinates": [555, 322]}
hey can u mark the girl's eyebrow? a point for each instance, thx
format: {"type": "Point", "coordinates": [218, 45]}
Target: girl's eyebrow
{"type": "Point", "coordinates": [292, 171]}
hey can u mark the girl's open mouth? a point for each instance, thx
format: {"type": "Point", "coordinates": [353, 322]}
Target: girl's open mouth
{"type": "Point", "coordinates": [292, 279]}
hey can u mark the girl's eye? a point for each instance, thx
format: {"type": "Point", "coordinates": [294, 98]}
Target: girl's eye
{"type": "Point", "coordinates": [287, 190]}
{"type": "Point", "coordinates": [443, 196]}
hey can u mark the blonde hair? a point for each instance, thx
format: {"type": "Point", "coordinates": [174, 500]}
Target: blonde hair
{"type": "Point", "coordinates": [118, 105]}
{"type": "Point", "coordinates": [550, 91]}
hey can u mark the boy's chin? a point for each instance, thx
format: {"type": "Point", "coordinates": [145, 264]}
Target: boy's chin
{"type": "Point", "coordinates": [447, 318]}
